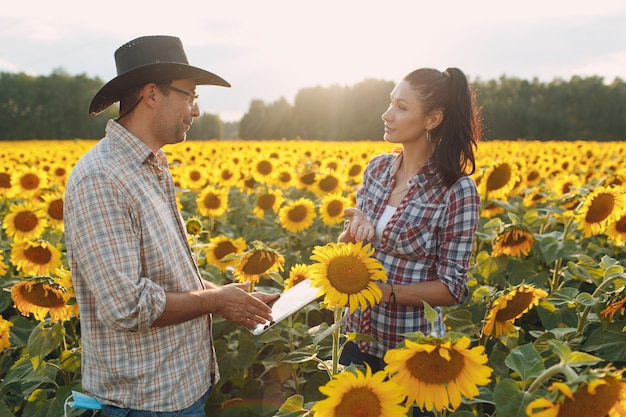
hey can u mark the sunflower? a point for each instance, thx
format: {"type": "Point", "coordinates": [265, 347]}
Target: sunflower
{"type": "Point", "coordinates": [193, 176]}
{"type": "Point", "coordinates": [597, 398]}
{"type": "Point", "coordinates": [220, 247]}
{"type": "Point", "coordinates": [52, 205]}
{"type": "Point", "coordinates": [616, 230]}
{"type": "Point", "coordinates": [256, 262]}
{"type": "Point", "coordinates": [35, 257]}
{"type": "Point", "coordinates": [296, 216]}
{"type": "Point", "coordinates": [227, 174]}
{"type": "Point", "coordinates": [262, 169]}
{"type": "Point", "coordinates": [346, 274]}
{"type": "Point", "coordinates": [516, 240]}
{"type": "Point", "coordinates": [24, 222]}
{"type": "Point", "coordinates": [5, 180]}
{"type": "Point", "coordinates": [359, 394]}
{"type": "Point", "coordinates": [269, 200]}
{"type": "Point", "coordinates": [5, 326]}
{"type": "Point", "coordinates": [40, 298]}
{"type": "Point", "coordinates": [332, 207]}
{"type": "Point", "coordinates": [603, 205]}
{"type": "Point", "coordinates": [327, 182]}
{"type": "Point", "coordinates": [437, 373]}
{"type": "Point", "coordinates": [28, 180]}
{"type": "Point", "coordinates": [509, 306]}
{"type": "Point", "coordinates": [297, 273]}
{"type": "Point", "coordinates": [212, 201]}
{"type": "Point", "coordinates": [499, 181]}
{"type": "Point", "coordinates": [194, 227]}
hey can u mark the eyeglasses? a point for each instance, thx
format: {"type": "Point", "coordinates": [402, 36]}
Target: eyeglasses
{"type": "Point", "coordinates": [193, 96]}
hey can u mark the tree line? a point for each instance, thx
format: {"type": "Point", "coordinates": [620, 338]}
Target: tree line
{"type": "Point", "coordinates": [54, 107]}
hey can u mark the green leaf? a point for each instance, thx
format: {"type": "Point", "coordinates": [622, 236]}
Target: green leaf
{"type": "Point", "coordinates": [526, 361]}
{"type": "Point", "coordinates": [43, 340]}
{"type": "Point", "coordinates": [578, 358]}
{"type": "Point", "coordinates": [430, 314]}
{"type": "Point", "coordinates": [609, 343]}
{"type": "Point", "coordinates": [550, 248]}
{"type": "Point", "coordinates": [562, 351]}
{"type": "Point", "coordinates": [293, 404]}
{"type": "Point", "coordinates": [510, 400]}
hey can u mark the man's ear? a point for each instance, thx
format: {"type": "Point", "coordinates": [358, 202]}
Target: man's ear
{"type": "Point", "coordinates": [434, 119]}
{"type": "Point", "coordinates": [149, 93]}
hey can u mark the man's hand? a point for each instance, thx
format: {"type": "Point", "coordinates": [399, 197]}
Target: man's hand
{"type": "Point", "coordinates": [239, 306]}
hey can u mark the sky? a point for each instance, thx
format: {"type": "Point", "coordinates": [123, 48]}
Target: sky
{"type": "Point", "coordinates": [271, 49]}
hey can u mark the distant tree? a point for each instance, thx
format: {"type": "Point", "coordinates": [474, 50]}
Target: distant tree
{"type": "Point", "coordinates": [207, 126]}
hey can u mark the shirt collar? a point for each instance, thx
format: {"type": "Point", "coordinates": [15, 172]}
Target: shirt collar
{"type": "Point", "coordinates": [132, 145]}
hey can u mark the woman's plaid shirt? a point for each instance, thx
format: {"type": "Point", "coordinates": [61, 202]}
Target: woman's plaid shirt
{"type": "Point", "coordinates": [429, 237]}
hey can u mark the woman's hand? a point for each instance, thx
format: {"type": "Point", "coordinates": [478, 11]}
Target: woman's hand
{"type": "Point", "coordinates": [359, 228]}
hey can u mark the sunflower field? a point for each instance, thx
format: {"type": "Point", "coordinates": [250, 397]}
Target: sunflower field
{"type": "Point", "coordinates": [542, 332]}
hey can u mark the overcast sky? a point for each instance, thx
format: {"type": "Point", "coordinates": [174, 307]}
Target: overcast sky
{"type": "Point", "coordinates": [268, 49]}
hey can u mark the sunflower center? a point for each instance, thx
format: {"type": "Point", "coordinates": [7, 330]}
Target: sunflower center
{"type": "Point", "coordinates": [5, 180]}
{"type": "Point", "coordinates": [329, 183]}
{"type": "Point", "coordinates": [30, 182]}
{"type": "Point", "coordinates": [25, 221]}
{"type": "Point", "coordinates": [354, 170]}
{"type": "Point", "coordinates": [516, 237]}
{"type": "Point", "coordinates": [259, 262]}
{"type": "Point", "coordinates": [335, 208]}
{"type": "Point", "coordinates": [211, 201]}
{"type": "Point", "coordinates": [601, 208]}
{"type": "Point", "coordinates": [42, 295]}
{"type": "Point", "coordinates": [60, 172]}
{"type": "Point", "coordinates": [264, 167]}
{"type": "Point", "coordinates": [586, 404]}
{"type": "Point", "coordinates": [223, 249]}
{"type": "Point", "coordinates": [500, 176]}
{"type": "Point", "coordinates": [308, 179]}
{"type": "Point", "coordinates": [195, 176]}
{"type": "Point", "coordinates": [38, 255]}
{"type": "Point", "coordinates": [284, 177]}
{"type": "Point", "coordinates": [515, 306]}
{"type": "Point", "coordinates": [298, 213]}
{"type": "Point", "coordinates": [359, 402]}
{"type": "Point", "coordinates": [227, 174]}
{"type": "Point", "coordinates": [55, 209]}
{"type": "Point", "coordinates": [432, 368]}
{"type": "Point", "coordinates": [620, 225]}
{"type": "Point", "coordinates": [266, 201]}
{"type": "Point", "coordinates": [348, 274]}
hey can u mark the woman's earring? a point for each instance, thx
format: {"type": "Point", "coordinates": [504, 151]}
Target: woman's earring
{"type": "Point", "coordinates": [428, 136]}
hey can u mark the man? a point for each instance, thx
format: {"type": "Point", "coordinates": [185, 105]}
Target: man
{"type": "Point", "coordinates": [145, 310]}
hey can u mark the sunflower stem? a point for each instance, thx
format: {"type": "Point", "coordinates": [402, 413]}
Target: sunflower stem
{"type": "Point", "coordinates": [336, 337]}
{"type": "Point", "coordinates": [554, 282]}
{"type": "Point", "coordinates": [559, 368]}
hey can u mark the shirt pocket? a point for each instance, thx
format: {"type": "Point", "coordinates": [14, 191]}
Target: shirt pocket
{"type": "Point", "coordinates": [417, 230]}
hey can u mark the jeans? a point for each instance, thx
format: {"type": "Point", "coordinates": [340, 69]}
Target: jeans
{"type": "Point", "coordinates": [194, 410]}
{"type": "Point", "coordinates": [352, 354]}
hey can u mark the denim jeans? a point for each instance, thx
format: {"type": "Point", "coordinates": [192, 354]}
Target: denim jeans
{"type": "Point", "coordinates": [352, 354]}
{"type": "Point", "coordinates": [194, 410]}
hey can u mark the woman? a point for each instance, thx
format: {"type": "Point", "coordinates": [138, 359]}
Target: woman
{"type": "Point", "coordinates": [419, 208]}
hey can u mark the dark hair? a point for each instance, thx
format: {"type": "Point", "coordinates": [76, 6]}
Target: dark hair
{"type": "Point", "coordinates": [459, 132]}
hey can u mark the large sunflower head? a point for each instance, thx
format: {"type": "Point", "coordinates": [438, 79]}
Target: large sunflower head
{"type": "Point", "coordinates": [616, 230]}
{"type": "Point", "coordinates": [212, 201]}
{"type": "Point", "coordinates": [35, 257]}
{"type": "Point", "coordinates": [436, 373]}
{"type": "Point", "coordinates": [346, 274]}
{"type": "Point", "coordinates": [24, 222]}
{"type": "Point", "coordinates": [220, 250]}
{"type": "Point", "coordinates": [42, 296]}
{"type": "Point", "coordinates": [515, 240]}
{"type": "Point", "coordinates": [5, 333]}
{"type": "Point", "coordinates": [257, 261]}
{"type": "Point", "coordinates": [599, 397]}
{"type": "Point", "coordinates": [327, 182]}
{"type": "Point", "coordinates": [358, 394]}
{"type": "Point", "coordinates": [509, 306]}
{"type": "Point", "coordinates": [332, 208]}
{"type": "Point", "coordinates": [298, 215]}
{"type": "Point", "coordinates": [601, 206]}
{"type": "Point", "coordinates": [28, 180]}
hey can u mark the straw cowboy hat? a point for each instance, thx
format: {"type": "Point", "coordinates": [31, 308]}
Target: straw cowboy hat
{"type": "Point", "coordinates": [149, 59]}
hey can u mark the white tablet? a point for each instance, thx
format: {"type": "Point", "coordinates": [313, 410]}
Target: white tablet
{"type": "Point", "coordinates": [288, 303]}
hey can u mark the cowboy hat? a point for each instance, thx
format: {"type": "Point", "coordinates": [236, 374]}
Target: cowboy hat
{"type": "Point", "coordinates": [156, 59]}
